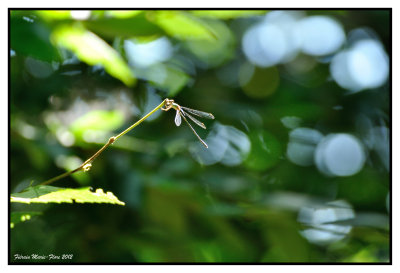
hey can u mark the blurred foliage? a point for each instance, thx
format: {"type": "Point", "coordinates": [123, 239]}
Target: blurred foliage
{"type": "Point", "coordinates": [20, 216]}
{"type": "Point", "coordinates": [97, 121]}
{"type": "Point", "coordinates": [74, 82]}
{"type": "Point", "coordinates": [94, 51]}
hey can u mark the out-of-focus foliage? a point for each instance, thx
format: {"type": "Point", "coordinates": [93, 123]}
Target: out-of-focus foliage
{"type": "Point", "coordinates": [182, 25]}
{"type": "Point", "coordinates": [93, 50]}
{"type": "Point", "coordinates": [21, 216]}
{"type": "Point", "coordinates": [95, 121]}
{"type": "Point", "coordinates": [227, 14]}
{"type": "Point", "coordinates": [298, 165]}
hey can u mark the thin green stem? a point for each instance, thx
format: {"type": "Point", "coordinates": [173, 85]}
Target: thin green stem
{"type": "Point", "coordinates": [87, 164]}
{"type": "Point", "coordinates": [59, 177]}
{"type": "Point", "coordinates": [140, 120]}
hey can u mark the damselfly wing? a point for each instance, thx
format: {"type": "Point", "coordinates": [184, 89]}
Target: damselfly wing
{"type": "Point", "coordinates": [201, 124]}
{"type": "Point", "coordinates": [194, 131]}
{"type": "Point", "coordinates": [198, 113]}
{"type": "Point", "coordinates": [178, 119]}
{"type": "Point", "coordinates": [183, 112]}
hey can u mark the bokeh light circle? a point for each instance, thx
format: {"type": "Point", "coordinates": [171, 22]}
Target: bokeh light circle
{"type": "Point", "coordinates": [369, 64]}
{"type": "Point", "coordinates": [321, 35]}
{"type": "Point", "coordinates": [340, 155]}
{"type": "Point", "coordinates": [144, 54]}
{"type": "Point", "coordinates": [301, 146]}
{"type": "Point", "coordinates": [365, 65]}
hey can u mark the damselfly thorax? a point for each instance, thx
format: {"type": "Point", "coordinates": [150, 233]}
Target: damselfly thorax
{"type": "Point", "coordinates": [183, 112]}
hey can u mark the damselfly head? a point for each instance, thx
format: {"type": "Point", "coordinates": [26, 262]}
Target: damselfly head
{"type": "Point", "coordinates": [167, 105]}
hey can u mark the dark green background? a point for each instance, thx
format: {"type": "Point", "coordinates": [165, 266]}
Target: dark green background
{"type": "Point", "coordinates": [176, 209]}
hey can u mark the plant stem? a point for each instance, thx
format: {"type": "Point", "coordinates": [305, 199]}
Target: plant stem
{"type": "Point", "coordinates": [140, 120]}
{"type": "Point", "coordinates": [87, 164]}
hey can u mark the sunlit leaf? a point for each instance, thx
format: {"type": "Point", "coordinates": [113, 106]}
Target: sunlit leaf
{"type": "Point", "coordinates": [19, 216]}
{"type": "Point", "coordinates": [365, 255]}
{"type": "Point", "coordinates": [182, 25]}
{"type": "Point", "coordinates": [98, 120]}
{"type": "Point", "coordinates": [94, 51]}
{"type": "Point", "coordinates": [123, 13]}
{"type": "Point", "coordinates": [227, 14]}
{"type": "Point", "coordinates": [50, 194]}
{"type": "Point", "coordinates": [54, 14]}
{"type": "Point", "coordinates": [64, 15]}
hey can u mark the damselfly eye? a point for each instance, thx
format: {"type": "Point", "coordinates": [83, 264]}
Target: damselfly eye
{"type": "Point", "coordinates": [168, 104]}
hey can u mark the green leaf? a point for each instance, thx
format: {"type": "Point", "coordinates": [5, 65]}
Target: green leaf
{"type": "Point", "coordinates": [22, 216]}
{"type": "Point", "coordinates": [166, 77]}
{"type": "Point", "coordinates": [227, 14]}
{"type": "Point", "coordinates": [32, 39]}
{"type": "Point", "coordinates": [134, 26]}
{"type": "Point", "coordinates": [50, 194]}
{"type": "Point", "coordinates": [182, 25]}
{"type": "Point", "coordinates": [97, 120]}
{"type": "Point", "coordinates": [175, 81]}
{"type": "Point", "coordinates": [94, 51]}
{"type": "Point", "coordinates": [215, 52]}
{"type": "Point", "coordinates": [123, 13]}
{"type": "Point", "coordinates": [365, 255]}
{"type": "Point", "coordinates": [54, 14]}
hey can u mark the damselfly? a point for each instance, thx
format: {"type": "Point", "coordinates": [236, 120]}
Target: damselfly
{"type": "Point", "coordinates": [183, 112]}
